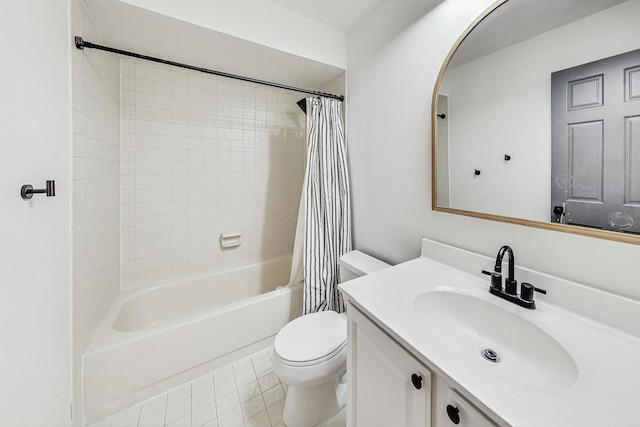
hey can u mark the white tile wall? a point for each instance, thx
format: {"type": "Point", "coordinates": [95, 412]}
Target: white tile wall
{"type": "Point", "coordinates": [202, 155]}
{"type": "Point", "coordinates": [95, 198]}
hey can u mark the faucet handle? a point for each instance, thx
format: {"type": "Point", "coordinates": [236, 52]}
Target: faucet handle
{"type": "Point", "coordinates": [526, 292]}
{"type": "Point", "coordinates": [496, 279]}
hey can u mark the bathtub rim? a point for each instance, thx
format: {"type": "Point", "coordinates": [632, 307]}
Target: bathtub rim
{"type": "Point", "coordinates": [106, 336]}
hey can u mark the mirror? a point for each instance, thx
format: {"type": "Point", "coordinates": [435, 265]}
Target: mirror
{"type": "Point", "coordinates": [518, 131]}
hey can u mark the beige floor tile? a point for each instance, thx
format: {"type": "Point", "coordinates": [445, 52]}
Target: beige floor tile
{"type": "Point", "coordinates": [273, 395]}
{"type": "Point", "coordinates": [275, 412]}
{"type": "Point", "coordinates": [260, 420]}
{"type": "Point", "coordinates": [252, 407]}
{"type": "Point", "coordinates": [249, 391]}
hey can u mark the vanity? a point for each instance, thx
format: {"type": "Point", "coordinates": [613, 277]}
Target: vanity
{"type": "Point", "coordinates": [429, 345]}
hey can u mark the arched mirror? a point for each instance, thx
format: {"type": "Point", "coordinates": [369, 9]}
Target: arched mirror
{"type": "Point", "coordinates": [536, 118]}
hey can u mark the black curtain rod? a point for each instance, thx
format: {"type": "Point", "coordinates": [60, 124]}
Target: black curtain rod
{"type": "Point", "coordinates": [81, 44]}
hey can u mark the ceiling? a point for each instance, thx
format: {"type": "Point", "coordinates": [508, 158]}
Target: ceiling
{"type": "Point", "coordinates": [135, 29]}
{"type": "Point", "coordinates": [339, 14]}
{"type": "Point", "coordinates": [138, 29]}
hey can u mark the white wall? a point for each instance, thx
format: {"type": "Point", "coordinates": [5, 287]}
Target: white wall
{"type": "Point", "coordinates": [95, 174]}
{"type": "Point", "coordinates": [515, 98]}
{"type": "Point", "coordinates": [261, 22]}
{"type": "Point", "coordinates": [390, 81]}
{"type": "Point", "coordinates": [202, 155]}
{"type": "Point", "coordinates": [336, 85]}
{"type": "Point", "coordinates": [35, 288]}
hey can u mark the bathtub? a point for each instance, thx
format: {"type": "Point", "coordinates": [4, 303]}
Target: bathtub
{"type": "Point", "coordinates": [157, 338]}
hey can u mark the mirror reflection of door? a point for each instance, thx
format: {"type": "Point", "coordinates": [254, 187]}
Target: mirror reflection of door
{"type": "Point", "coordinates": [442, 151]}
{"type": "Point", "coordinates": [595, 170]}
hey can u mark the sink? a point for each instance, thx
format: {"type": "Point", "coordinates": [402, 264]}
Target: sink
{"type": "Point", "coordinates": [496, 339]}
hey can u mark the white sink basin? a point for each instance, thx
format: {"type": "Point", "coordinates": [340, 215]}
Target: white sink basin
{"type": "Point", "coordinates": [468, 325]}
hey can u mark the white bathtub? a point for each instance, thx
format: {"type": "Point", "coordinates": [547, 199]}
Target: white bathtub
{"type": "Point", "coordinates": [157, 338]}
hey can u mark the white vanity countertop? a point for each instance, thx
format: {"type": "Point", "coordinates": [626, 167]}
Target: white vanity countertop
{"type": "Point", "coordinates": [605, 393]}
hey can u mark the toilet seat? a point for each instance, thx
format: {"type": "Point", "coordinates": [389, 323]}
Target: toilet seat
{"type": "Point", "coordinates": [311, 339]}
{"type": "Point", "coordinates": [318, 361]}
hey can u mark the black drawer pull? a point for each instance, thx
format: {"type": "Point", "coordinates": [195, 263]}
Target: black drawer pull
{"type": "Point", "coordinates": [454, 414]}
{"type": "Point", "coordinates": [417, 381]}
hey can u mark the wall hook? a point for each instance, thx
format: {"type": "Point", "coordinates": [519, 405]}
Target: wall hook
{"type": "Point", "coordinates": [507, 157]}
{"type": "Point", "coordinates": [477, 172]}
{"type": "Point", "coordinates": [442, 116]}
{"type": "Point", "coordinates": [27, 190]}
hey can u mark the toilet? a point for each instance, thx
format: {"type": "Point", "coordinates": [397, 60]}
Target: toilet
{"type": "Point", "coordinates": [310, 355]}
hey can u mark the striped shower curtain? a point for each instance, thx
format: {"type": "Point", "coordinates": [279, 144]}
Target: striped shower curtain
{"type": "Point", "coordinates": [327, 205]}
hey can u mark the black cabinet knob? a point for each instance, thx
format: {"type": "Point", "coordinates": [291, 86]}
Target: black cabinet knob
{"type": "Point", "coordinates": [454, 414]}
{"type": "Point", "coordinates": [417, 381]}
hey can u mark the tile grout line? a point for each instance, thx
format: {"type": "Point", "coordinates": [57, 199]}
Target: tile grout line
{"type": "Point", "coordinates": [255, 374]}
{"type": "Point", "coordinates": [262, 393]}
{"type": "Point", "coordinates": [166, 409]}
{"type": "Point", "coordinates": [235, 380]}
{"type": "Point", "coordinates": [139, 415]}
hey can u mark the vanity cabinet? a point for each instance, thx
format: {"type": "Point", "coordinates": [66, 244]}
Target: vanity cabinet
{"type": "Point", "coordinates": [388, 386]}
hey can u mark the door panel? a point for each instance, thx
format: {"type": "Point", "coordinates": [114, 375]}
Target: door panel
{"type": "Point", "coordinates": [585, 93]}
{"type": "Point", "coordinates": [632, 172]}
{"type": "Point", "coordinates": [596, 143]}
{"type": "Point", "coordinates": [585, 161]}
{"type": "Point", "coordinates": [632, 84]}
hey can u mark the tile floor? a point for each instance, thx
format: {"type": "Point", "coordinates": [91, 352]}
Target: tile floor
{"type": "Point", "coordinates": [246, 393]}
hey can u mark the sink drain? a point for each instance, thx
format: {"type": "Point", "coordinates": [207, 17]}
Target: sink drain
{"type": "Point", "coordinates": [490, 355]}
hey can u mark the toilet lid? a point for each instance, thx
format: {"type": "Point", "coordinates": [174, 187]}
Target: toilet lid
{"type": "Point", "coordinates": [311, 337]}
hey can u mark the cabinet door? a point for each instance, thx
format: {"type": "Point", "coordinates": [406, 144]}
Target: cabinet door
{"type": "Point", "coordinates": [381, 377]}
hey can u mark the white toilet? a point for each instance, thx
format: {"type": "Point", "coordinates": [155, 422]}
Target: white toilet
{"type": "Point", "coordinates": [310, 355]}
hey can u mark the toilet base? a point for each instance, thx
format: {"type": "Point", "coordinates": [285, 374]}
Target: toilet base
{"type": "Point", "coordinates": [309, 406]}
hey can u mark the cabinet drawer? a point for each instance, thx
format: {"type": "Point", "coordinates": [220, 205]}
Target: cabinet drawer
{"type": "Point", "coordinates": [458, 411]}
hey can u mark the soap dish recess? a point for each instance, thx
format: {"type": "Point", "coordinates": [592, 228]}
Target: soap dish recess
{"type": "Point", "coordinates": [230, 239]}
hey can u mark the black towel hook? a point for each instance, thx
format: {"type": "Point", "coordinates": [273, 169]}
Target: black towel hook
{"type": "Point", "coordinates": [27, 191]}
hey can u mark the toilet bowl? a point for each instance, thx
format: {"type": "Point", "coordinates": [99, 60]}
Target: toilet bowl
{"type": "Point", "coordinates": [310, 355]}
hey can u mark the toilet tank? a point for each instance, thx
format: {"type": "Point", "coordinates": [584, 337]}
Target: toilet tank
{"type": "Point", "coordinates": [355, 264]}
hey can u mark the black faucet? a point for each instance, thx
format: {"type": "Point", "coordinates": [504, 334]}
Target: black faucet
{"type": "Point", "coordinates": [510, 284]}
{"type": "Point", "coordinates": [510, 291]}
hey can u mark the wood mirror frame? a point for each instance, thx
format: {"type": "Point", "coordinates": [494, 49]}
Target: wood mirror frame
{"type": "Point", "coordinates": [563, 228]}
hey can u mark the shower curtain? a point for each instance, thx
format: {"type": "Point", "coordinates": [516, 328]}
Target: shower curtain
{"type": "Point", "coordinates": [324, 220]}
